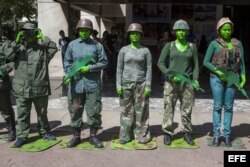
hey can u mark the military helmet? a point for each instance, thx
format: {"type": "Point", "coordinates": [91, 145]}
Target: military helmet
{"type": "Point", "coordinates": [29, 26]}
{"type": "Point", "coordinates": [135, 27]}
{"type": "Point", "coordinates": [223, 21]}
{"type": "Point", "coordinates": [181, 24]}
{"type": "Point", "coordinates": [84, 23]}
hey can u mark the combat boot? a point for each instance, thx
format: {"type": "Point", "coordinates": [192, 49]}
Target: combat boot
{"type": "Point", "coordinates": [227, 141]}
{"type": "Point", "coordinates": [10, 123]}
{"type": "Point", "coordinates": [48, 136]}
{"type": "Point", "coordinates": [167, 139]}
{"type": "Point", "coordinates": [19, 142]}
{"type": "Point", "coordinates": [216, 142]}
{"type": "Point", "coordinates": [76, 138]}
{"type": "Point", "coordinates": [93, 140]}
{"type": "Point", "coordinates": [188, 138]}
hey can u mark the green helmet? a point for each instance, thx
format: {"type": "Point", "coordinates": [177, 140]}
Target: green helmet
{"type": "Point", "coordinates": [135, 27]}
{"type": "Point", "coordinates": [181, 24]}
{"type": "Point", "coordinates": [84, 23]}
{"type": "Point", "coordinates": [29, 26]}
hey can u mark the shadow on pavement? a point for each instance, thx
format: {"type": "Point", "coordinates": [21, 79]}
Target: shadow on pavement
{"type": "Point", "coordinates": [241, 130]}
{"type": "Point", "coordinates": [108, 134]}
{"type": "Point", "coordinates": [53, 124]}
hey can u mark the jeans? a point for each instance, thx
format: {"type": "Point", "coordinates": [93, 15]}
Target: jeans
{"type": "Point", "coordinates": [223, 97]}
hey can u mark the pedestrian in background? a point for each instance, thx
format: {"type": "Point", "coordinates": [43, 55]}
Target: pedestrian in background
{"type": "Point", "coordinates": [224, 54]}
{"type": "Point", "coordinates": [112, 45]}
{"type": "Point", "coordinates": [94, 35]}
{"type": "Point", "coordinates": [162, 42]}
{"type": "Point", "coordinates": [133, 85]}
{"type": "Point", "coordinates": [63, 44]}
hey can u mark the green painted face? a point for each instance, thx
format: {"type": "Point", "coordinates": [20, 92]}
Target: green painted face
{"type": "Point", "coordinates": [84, 33]}
{"type": "Point", "coordinates": [30, 36]}
{"type": "Point", "coordinates": [181, 34]}
{"type": "Point", "coordinates": [226, 31]}
{"type": "Point", "coordinates": [32, 39]}
{"type": "Point", "coordinates": [135, 36]}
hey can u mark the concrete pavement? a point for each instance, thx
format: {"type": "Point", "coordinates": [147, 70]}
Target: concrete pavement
{"type": "Point", "coordinates": [162, 156]}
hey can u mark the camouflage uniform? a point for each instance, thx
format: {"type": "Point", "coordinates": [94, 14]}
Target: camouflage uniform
{"type": "Point", "coordinates": [135, 113]}
{"type": "Point", "coordinates": [182, 62]}
{"type": "Point", "coordinates": [134, 75]}
{"type": "Point", "coordinates": [173, 92]}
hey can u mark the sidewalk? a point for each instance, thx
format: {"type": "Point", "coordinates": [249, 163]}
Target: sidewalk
{"type": "Point", "coordinates": [161, 157]}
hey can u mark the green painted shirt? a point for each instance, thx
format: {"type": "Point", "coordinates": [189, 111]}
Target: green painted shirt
{"type": "Point", "coordinates": [181, 62]}
{"type": "Point", "coordinates": [134, 65]}
{"type": "Point", "coordinates": [214, 48]}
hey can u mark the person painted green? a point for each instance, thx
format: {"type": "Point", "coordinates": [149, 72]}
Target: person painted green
{"type": "Point", "coordinates": [84, 87]}
{"type": "Point", "coordinates": [6, 109]}
{"type": "Point", "coordinates": [31, 52]}
{"type": "Point", "coordinates": [133, 85]}
{"type": "Point", "coordinates": [224, 54]}
{"type": "Point", "coordinates": [183, 59]}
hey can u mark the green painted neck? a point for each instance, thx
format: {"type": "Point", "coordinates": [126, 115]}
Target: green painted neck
{"type": "Point", "coordinates": [136, 44]}
{"type": "Point", "coordinates": [181, 41]}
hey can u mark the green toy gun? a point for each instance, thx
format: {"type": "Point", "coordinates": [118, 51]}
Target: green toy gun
{"type": "Point", "coordinates": [76, 67]}
{"type": "Point", "coordinates": [233, 78]}
{"type": "Point", "coordinates": [184, 78]}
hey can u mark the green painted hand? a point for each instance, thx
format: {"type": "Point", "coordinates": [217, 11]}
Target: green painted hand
{"type": "Point", "coordinates": [19, 37]}
{"type": "Point", "coordinates": [119, 91]}
{"type": "Point", "coordinates": [66, 80]}
{"type": "Point", "coordinates": [243, 81]}
{"type": "Point", "coordinates": [39, 35]}
{"type": "Point", "coordinates": [147, 92]}
{"type": "Point", "coordinates": [222, 76]}
{"type": "Point", "coordinates": [84, 69]}
{"type": "Point", "coordinates": [176, 79]}
{"type": "Point", "coordinates": [196, 85]}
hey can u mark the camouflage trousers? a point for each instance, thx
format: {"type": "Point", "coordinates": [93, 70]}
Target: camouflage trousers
{"type": "Point", "coordinates": [173, 92]}
{"type": "Point", "coordinates": [91, 101]}
{"type": "Point", "coordinates": [134, 118]}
